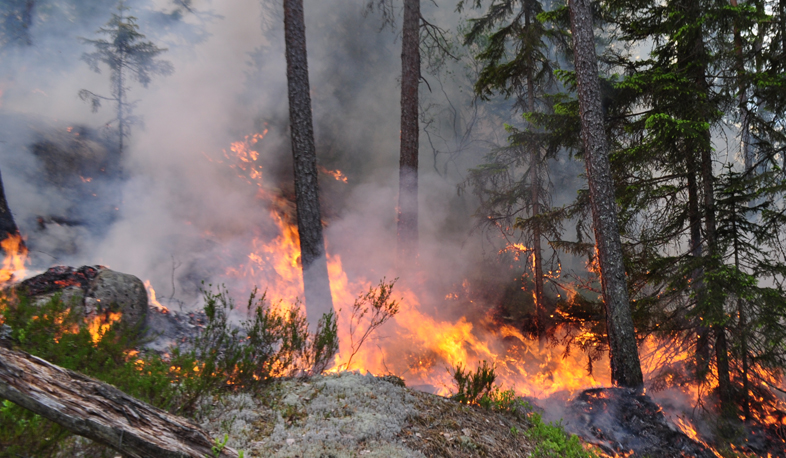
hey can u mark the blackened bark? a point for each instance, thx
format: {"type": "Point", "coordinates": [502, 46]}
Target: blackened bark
{"type": "Point", "coordinates": [623, 350]}
{"type": "Point", "coordinates": [407, 239]}
{"type": "Point", "coordinates": [7, 224]}
{"type": "Point", "coordinates": [316, 283]}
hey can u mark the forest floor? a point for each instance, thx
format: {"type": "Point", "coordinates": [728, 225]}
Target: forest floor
{"type": "Point", "coordinates": [352, 415]}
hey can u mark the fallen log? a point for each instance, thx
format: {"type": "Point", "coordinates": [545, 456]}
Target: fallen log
{"type": "Point", "coordinates": [99, 411]}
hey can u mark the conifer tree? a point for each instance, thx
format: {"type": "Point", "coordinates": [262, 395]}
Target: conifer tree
{"type": "Point", "coordinates": [512, 183]}
{"type": "Point", "coordinates": [129, 58]}
{"type": "Point", "coordinates": [623, 350]}
{"type": "Point", "coordinates": [313, 257]}
{"type": "Point", "coordinates": [709, 63]}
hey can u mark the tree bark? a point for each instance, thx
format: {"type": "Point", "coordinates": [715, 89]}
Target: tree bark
{"type": "Point", "coordinates": [537, 253]}
{"type": "Point", "coordinates": [99, 411]}
{"type": "Point", "coordinates": [623, 350]}
{"type": "Point", "coordinates": [702, 355]}
{"type": "Point", "coordinates": [316, 283]}
{"type": "Point", "coordinates": [7, 224]}
{"type": "Point", "coordinates": [407, 234]}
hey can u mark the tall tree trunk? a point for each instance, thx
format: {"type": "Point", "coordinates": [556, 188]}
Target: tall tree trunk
{"type": "Point", "coordinates": [407, 240]}
{"type": "Point", "coordinates": [7, 224]}
{"type": "Point", "coordinates": [694, 220]}
{"type": "Point", "coordinates": [749, 164]}
{"type": "Point", "coordinates": [316, 283]}
{"type": "Point", "coordinates": [27, 21]}
{"type": "Point", "coordinates": [537, 253]}
{"type": "Point", "coordinates": [741, 330]}
{"type": "Point", "coordinates": [623, 350]}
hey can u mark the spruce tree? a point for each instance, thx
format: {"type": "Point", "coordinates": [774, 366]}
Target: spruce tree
{"type": "Point", "coordinates": [708, 64]}
{"type": "Point", "coordinates": [512, 183]}
{"type": "Point", "coordinates": [129, 58]}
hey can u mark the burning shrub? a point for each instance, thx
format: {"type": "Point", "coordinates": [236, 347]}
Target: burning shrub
{"type": "Point", "coordinates": [274, 343]}
{"type": "Point", "coordinates": [377, 308]}
{"type": "Point", "coordinates": [221, 357]}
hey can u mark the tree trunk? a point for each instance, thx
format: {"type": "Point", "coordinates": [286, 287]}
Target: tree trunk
{"type": "Point", "coordinates": [407, 239]}
{"type": "Point", "coordinates": [99, 411]}
{"type": "Point", "coordinates": [702, 355]}
{"type": "Point", "coordinates": [27, 21]}
{"type": "Point", "coordinates": [623, 350]}
{"type": "Point", "coordinates": [7, 224]}
{"type": "Point", "coordinates": [316, 283]}
{"type": "Point", "coordinates": [537, 253]}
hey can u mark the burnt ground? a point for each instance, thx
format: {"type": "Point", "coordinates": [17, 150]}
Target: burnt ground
{"type": "Point", "coordinates": [620, 420]}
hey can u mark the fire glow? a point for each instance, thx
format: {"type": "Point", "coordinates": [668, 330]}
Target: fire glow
{"type": "Point", "coordinates": [14, 261]}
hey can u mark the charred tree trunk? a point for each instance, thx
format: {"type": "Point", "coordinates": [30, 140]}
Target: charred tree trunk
{"type": "Point", "coordinates": [7, 224]}
{"type": "Point", "coordinates": [537, 253]}
{"type": "Point", "coordinates": [316, 283]}
{"type": "Point", "coordinates": [623, 350]}
{"type": "Point", "coordinates": [99, 411]}
{"type": "Point", "coordinates": [407, 231]}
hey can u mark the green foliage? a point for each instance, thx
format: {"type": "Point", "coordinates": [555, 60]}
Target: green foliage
{"type": "Point", "coordinates": [219, 446]}
{"type": "Point", "coordinates": [473, 386]}
{"type": "Point", "coordinates": [271, 343]}
{"type": "Point", "coordinates": [553, 442]}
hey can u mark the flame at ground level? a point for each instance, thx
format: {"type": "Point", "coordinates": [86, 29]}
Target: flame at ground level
{"type": "Point", "coordinates": [15, 256]}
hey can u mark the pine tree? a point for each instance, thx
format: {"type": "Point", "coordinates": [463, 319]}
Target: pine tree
{"type": "Point", "coordinates": [407, 230]}
{"type": "Point", "coordinates": [623, 350]}
{"type": "Point", "coordinates": [129, 58]}
{"type": "Point", "coordinates": [316, 283]}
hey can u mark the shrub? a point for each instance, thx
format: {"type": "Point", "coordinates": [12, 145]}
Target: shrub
{"type": "Point", "coordinates": [473, 386]}
{"type": "Point", "coordinates": [221, 357]}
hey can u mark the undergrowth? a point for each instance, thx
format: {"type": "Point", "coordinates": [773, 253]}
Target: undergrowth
{"type": "Point", "coordinates": [222, 357]}
{"type": "Point", "coordinates": [550, 439]}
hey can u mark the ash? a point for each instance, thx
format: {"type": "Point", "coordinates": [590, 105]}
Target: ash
{"type": "Point", "coordinates": [621, 420]}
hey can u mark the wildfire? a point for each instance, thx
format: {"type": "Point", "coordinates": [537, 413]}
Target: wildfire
{"type": "Point", "coordinates": [336, 174]}
{"type": "Point", "coordinates": [151, 294]}
{"type": "Point", "coordinates": [418, 344]}
{"type": "Point", "coordinates": [15, 257]}
{"type": "Point", "coordinates": [99, 324]}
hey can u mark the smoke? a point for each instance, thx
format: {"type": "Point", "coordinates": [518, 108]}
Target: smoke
{"type": "Point", "coordinates": [172, 202]}
{"type": "Point", "coordinates": [181, 208]}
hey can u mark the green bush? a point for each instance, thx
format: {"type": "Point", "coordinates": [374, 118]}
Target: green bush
{"type": "Point", "coordinates": [473, 386]}
{"type": "Point", "coordinates": [551, 440]}
{"type": "Point", "coordinates": [221, 357]}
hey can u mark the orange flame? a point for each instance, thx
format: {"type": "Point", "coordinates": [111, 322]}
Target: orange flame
{"type": "Point", "coordinates": [151, 294]}
{"type": "Point", "coordinates": [15, 257]}
{"type": "Point", "coordinates": [338, 175]}
{"type": "Point", "coordinates": [99, 324]}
